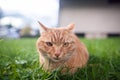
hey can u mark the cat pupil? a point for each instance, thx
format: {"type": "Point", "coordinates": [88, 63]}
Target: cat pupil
{"type": "Point", "coordinates": [66, 44]}
{"type": "Point", "coordinates": [49, 43]}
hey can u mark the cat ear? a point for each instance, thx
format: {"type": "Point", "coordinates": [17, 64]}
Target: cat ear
{"type": "Point", "coordinates": [42, 27]}
{"type": "Point", "coordinates": [71, 26]}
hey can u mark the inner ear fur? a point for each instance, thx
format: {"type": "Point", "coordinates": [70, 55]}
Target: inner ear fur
{"type": "Point", "coordinates": [71, 27]}
{"type": "Point", "coordinates": [42, 27]}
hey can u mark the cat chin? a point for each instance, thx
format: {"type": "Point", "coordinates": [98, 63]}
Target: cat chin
{"type": "Point", "coordinates": [55, 60]}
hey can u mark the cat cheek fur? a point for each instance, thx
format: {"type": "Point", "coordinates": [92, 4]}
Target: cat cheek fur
{"type": "Point", "coordinates": [67, 52]}
{"type": "Point", "coordinates": [42, 48]}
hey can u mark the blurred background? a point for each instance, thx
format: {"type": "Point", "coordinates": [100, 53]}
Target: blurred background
{"type": "Point", "coordinates": [93, 18]}
{"type": "Point", "coordinates": [18, 18]}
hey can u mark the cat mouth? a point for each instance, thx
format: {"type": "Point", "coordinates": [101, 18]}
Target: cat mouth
{"type": "Point", "coordinates": [56, 59]}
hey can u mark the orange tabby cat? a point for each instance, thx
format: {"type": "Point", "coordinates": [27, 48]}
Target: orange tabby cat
{"type": "Point", "coordinates": [59, 47]}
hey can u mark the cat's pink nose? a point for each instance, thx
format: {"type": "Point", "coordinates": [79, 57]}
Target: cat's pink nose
{"type": "Point", "coordinates": [57, 54]}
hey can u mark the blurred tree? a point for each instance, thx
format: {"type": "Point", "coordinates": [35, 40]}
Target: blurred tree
{"type": "Point", "coordinates": [9, 26]}
{"type": "Point", "coordinates": [26, 31]}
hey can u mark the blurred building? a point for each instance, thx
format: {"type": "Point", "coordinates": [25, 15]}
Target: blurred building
{"type": "Point", "coordinates": [93, 18]}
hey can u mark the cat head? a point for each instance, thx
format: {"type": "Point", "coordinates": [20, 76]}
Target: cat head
{"type": "Point", "coordinates": [56, 44]}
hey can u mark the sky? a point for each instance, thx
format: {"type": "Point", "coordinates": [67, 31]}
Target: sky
{"type": "Point", "coordinates": [45, 11]}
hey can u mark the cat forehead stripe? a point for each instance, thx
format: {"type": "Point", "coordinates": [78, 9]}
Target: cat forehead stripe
{"type": "Point", "coordinates": [57, 36]}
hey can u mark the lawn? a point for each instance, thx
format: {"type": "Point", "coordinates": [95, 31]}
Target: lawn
{"type": "Point", "coordinates": [19, 61]}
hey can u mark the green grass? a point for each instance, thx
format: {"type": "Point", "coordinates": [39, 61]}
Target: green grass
{"type": "Point", "coordinates": [19, 61]}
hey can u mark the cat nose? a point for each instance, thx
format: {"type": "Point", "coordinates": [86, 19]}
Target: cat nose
{"type": "Point", "coordinates": [57, 54]}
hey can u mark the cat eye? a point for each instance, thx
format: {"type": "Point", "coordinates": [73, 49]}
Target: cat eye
{"type": "Point", "coordinates": [49, 44]}
{"type": "Point", "coordinates": [65, 44]}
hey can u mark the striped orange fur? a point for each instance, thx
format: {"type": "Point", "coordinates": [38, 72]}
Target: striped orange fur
{"type": "Point", "coordinates": [60, 47]}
